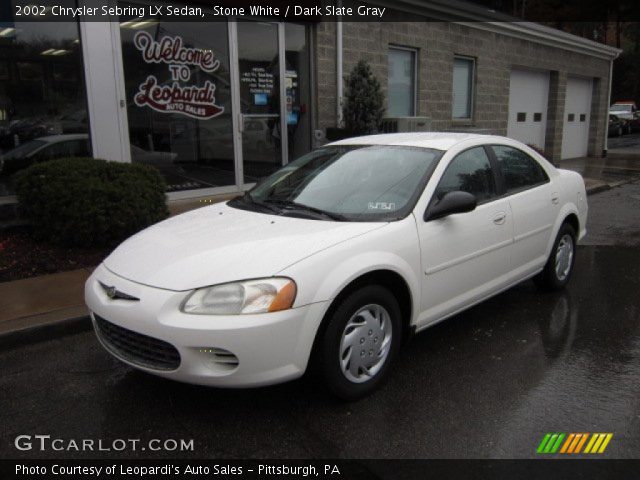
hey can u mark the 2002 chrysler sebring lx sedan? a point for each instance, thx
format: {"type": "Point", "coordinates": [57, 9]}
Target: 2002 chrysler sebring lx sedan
{"type": "Point", "coordinates": [337, 258]}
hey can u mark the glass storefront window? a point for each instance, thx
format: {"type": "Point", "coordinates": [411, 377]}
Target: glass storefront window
{"type": "Point", "coordinates": [259, 63]}
{"type": "Point", "coordinates": [43, 112]}
{"type": "Point", "coordinates": [297, 75]}
{"type": "Point", "coordinates": [259, 67]}
{"type": "Point", "coordinates": [179, 100]}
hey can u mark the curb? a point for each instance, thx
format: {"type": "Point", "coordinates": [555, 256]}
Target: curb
{"type": "Point", "coordinates": [598, 188]}
{"type": "Point", "coordinates": [46, 331]}
{"type": "Point", "coordinates": [609, 186]}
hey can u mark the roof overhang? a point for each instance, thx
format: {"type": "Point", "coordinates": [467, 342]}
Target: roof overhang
{"type": "Point", "coordinates": [479, 17]}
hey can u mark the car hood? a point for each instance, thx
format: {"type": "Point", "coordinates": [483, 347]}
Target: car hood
{"type": "Point", "coordinates": [219, 244]}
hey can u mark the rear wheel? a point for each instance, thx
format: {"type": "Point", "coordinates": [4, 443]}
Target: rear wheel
{"type": "Point", "coordinates": [360, 341]}
{"type": "Point", "coordinates": [559, 266]}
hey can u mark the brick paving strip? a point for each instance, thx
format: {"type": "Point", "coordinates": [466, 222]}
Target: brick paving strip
{"type": "Point", "coordinates": [45, 300]}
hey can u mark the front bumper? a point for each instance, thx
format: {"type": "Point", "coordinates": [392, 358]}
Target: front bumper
{"type": "Point", "coordinates": [269, 348]}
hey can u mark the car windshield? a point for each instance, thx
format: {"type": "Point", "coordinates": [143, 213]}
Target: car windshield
{"type": "Point", "coordinates": [620, 108]}
{"type": "Point", "coordinates": [347, 183]}
{"type": "Point", "coordinates": [24, 149]}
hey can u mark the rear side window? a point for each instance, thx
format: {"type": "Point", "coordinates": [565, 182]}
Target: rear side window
{"type": "Point", "coordinates": [470, 172]}
{"type": "Point", "coordinates": [519, 170]}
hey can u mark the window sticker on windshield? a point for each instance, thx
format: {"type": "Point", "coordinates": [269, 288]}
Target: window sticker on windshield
{"type": "Point", "coordinates": [381, 206]}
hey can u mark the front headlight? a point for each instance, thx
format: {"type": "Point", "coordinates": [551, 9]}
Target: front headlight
{"type": "Point", "coordinates": [250, 296]}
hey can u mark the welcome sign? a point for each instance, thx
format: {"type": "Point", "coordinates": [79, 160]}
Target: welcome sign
{"type": "Point", "coordinates": [194, 101]}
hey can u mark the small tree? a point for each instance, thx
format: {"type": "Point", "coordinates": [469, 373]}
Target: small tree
{"type": "Point", "coordinates": [363, 108]}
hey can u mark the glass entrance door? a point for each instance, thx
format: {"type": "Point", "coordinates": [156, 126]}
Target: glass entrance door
{"type": "Point", "coordinates": [260, 108]}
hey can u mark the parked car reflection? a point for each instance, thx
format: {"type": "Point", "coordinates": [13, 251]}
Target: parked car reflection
{"type": "Point", "coordinates": [43, 149]}
{"type": "Point", "coordinates": [155, 159]}
{"type": "Point", "coordinates": [18, 132]}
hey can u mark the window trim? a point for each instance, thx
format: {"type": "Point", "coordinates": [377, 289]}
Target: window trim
{"type": "Point", "coordinates": [472, 89]}
{"type": "Point", "coordinates": [500, 174]}
{"type": "Point", "coordinates": [415, 52]}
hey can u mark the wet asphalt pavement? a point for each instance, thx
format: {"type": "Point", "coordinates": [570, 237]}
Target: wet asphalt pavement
{"type": "Point", "coordinates": [488, 383]}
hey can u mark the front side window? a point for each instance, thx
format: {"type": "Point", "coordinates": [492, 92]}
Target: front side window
{"type": "Point", "coordinates": [463, 71]}
{"type": "Point", "coordinates": [349, 183]}
{"type": "Point", "coordinates": [519, 170]}
{"type": "Point", "coordinates": [402, 85]}
{"type": "Point", "coordinates": [469, 172]}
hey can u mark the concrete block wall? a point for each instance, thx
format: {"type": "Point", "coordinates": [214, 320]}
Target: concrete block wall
{"type": "Point", "coordinates": [555, 115]}
{"type": "Point", "coordinates": [437, 43]}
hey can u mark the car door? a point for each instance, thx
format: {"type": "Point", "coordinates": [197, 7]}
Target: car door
{"type": "Point", "coordinates": [534, 203]}
{"type": "Point", "coordinates": [465, 256]}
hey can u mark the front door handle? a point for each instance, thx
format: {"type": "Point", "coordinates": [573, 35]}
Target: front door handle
{"type": "Point", "coordinates": [499, 218]}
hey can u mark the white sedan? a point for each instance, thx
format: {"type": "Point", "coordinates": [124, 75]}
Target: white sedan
{"type": "Point", "coordinates": [336, 259]}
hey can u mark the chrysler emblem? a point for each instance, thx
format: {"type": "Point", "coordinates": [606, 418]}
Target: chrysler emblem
{"type": "Point", "coordinates": [113, 293]}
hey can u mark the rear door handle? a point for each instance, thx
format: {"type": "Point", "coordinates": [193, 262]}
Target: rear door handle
{"type": "Point", "coordinates": [555, 198]}
{"type": "Point", "coordinates": [499, 218]}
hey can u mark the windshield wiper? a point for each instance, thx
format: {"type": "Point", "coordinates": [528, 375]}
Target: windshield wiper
{"type": "Point", "coordinates": [289, 205]}
{"type": "Point", "coordinates": [249, 200]}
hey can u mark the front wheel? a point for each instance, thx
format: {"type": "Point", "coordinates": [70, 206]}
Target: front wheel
{"type": "Point", "coordinates": [360, 342]}
{"type": "Point", "coordinates": [559, 266]}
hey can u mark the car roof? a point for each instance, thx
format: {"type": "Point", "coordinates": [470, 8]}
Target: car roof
{"type": "Point", "coordinates": [63, 137]}
{"type": "Point", "coordinates": [436, 140]}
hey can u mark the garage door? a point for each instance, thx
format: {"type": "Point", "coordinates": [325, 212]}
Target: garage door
{"type": "Point", "coordinates": [577, 113]}
{"type": "Point", "coordinates": [528, 98]}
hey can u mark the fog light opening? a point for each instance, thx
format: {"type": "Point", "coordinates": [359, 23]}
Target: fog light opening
{"type": "Point", "coordinates": [218, 359]}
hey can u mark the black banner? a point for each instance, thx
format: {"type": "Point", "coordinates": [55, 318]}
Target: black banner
{"type": "Point", "coordinates": [556, 12]}
{"type": "Point", "coordinates": [542, 469]}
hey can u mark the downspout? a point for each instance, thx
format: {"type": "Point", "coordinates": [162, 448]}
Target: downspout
{"type": "Point", "coordinates": [339, 68]}
{"type": "Point", "coordinates": [606, 125]}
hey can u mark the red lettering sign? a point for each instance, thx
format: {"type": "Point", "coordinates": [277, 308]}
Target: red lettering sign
{"type": "Point", "coordinates": [195, 102]}
{"type": "Point", "coordinates": [170, 50]}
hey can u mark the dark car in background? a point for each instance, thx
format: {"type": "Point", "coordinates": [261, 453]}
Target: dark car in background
{"type": "Point", "coordinates": [627, 113]}
{"type": "Point", "coordinates": [616, 126]}
{"type": "Point", "coordinates": [43, 149]}
{"type": "Point", "coordinates": [18, 132]}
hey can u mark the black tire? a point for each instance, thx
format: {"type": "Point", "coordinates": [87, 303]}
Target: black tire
{"type": "Point", "coordinates": [549, 279]}
{"type": "Point", "coordinates": [327, 354]}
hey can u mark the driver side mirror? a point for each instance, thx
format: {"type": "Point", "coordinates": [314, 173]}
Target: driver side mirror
{"type": "Point", "coordinates": [452, 202]}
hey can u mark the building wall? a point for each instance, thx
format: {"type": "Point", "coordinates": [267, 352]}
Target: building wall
{"type": "Point", "coordinates": [437, 43]}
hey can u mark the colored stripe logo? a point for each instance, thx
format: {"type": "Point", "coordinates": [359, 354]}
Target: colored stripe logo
{"type": "Point", "coordinates": [573, 443]}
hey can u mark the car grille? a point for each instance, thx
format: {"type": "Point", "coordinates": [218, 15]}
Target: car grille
{"type": "Point", "coordinates": [136, 348]}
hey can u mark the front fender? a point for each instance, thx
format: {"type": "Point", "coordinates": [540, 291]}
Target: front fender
{"type": "Point", "coordinates": [324, 275]}
{"type": "Point", "coordinates": [365, 263]}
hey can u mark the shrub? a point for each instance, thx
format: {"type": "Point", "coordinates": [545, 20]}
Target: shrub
{"type": "Point", "coordinates": [364, 101]}
{"type": "Point", "coordinates": [84, 201]}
